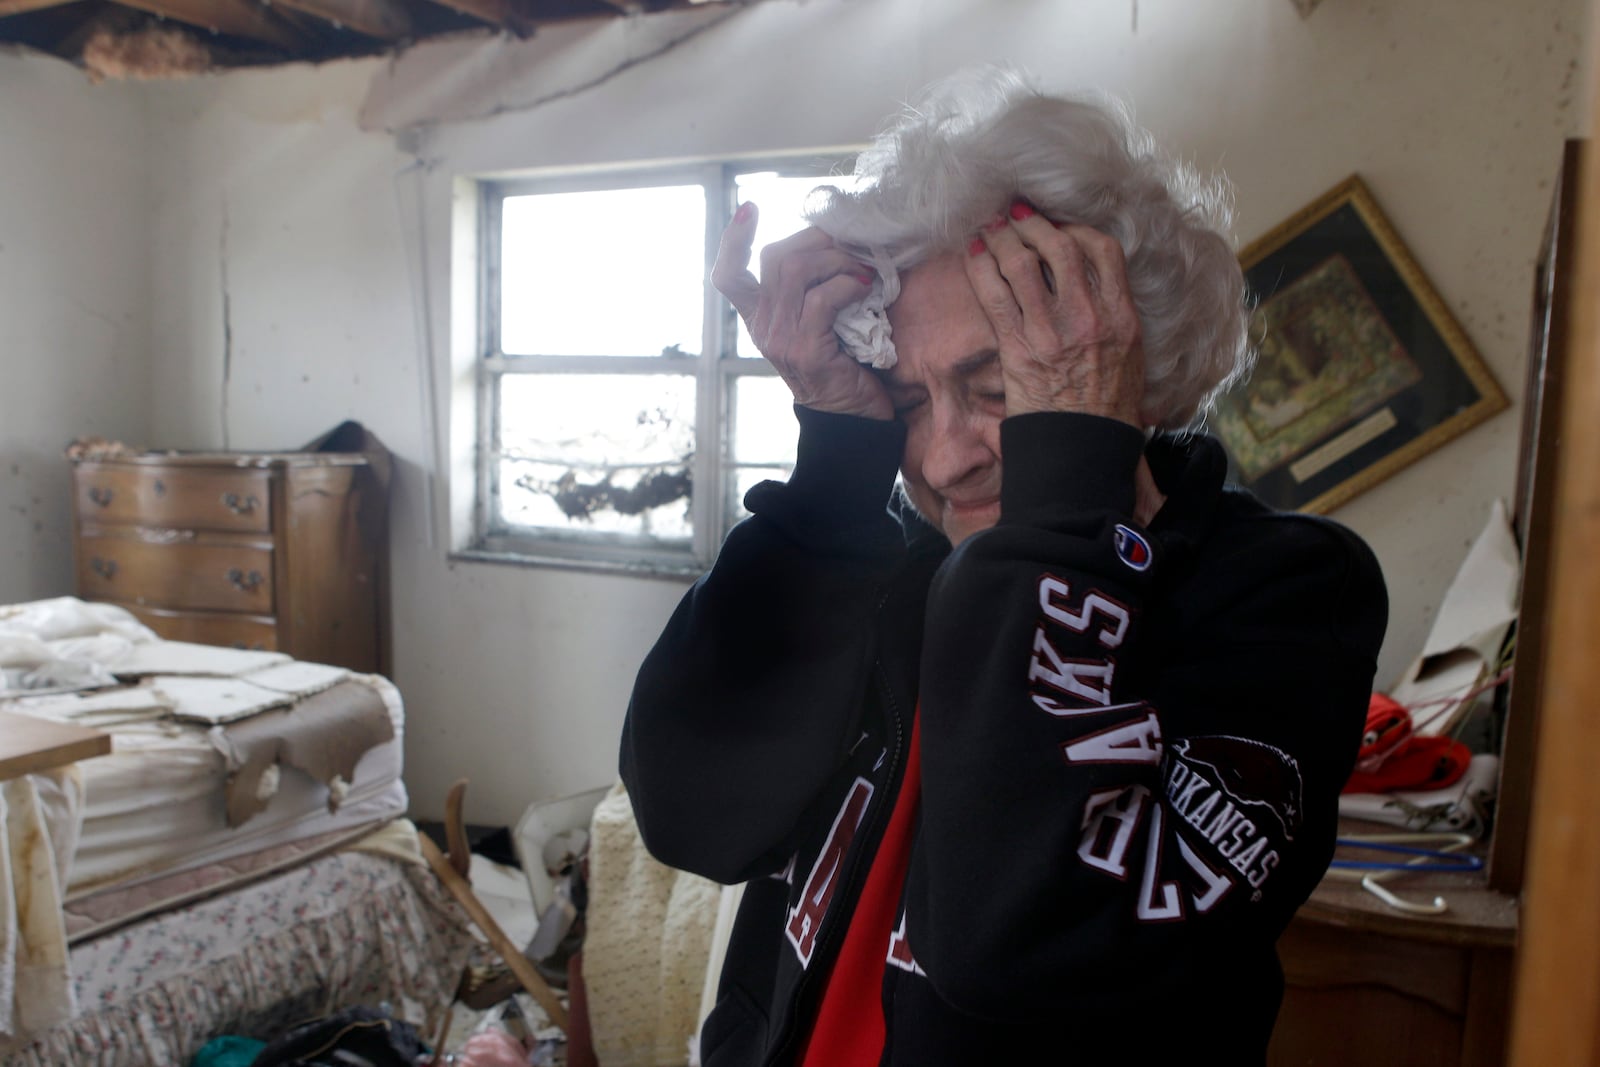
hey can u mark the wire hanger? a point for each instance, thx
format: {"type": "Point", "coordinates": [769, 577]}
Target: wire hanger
{"type": "Point", "coordinates": [1445, 857]}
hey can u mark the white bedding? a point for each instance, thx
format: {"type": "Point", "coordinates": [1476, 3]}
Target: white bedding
{"type": "Point", "coordinates": [159, 803]}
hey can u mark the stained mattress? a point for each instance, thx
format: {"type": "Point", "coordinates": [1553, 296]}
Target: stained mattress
{"type": "Point", "coordinates": [158, 803]}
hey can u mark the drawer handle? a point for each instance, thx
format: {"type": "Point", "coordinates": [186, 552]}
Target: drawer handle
{"type": "Point", "coordinates": [245, 583]}
{"type": "Point", "coordinates": [105, 568]}
{"type": "Point", "coordinates": [100, 496]}
{"type": "Point", "coordinates": [239, 505]}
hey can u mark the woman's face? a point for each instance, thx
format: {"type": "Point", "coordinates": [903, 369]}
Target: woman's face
{"type": "Point", "coordinates": [946, 388]}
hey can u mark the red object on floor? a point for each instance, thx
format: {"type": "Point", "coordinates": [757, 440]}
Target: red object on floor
{"type": "Point", "coordinates": [580, 1045]}
{"type": "Point", "coordinates": [849, 1028]}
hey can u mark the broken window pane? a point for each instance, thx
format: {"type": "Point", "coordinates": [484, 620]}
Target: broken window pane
{"type": "Point", "coordinates": [609, 272]}
{"type": "Point", "coordinates": [607, 453]}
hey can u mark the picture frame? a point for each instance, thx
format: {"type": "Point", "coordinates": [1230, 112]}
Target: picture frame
{"type": "Point", "coordinates": [1361, 369]}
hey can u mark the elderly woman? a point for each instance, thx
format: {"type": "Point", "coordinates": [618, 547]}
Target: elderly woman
{"type": "Point", "coordinates": [1033, 761]}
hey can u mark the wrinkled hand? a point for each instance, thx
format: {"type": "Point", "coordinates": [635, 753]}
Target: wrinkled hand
{"type": "Point", "coordinates": [805, 282]}
{"type": "Point", "coordinates": [1057, 298]}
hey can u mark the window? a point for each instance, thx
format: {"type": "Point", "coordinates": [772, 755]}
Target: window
{"type": "Point", "coordinates": [622, 409]}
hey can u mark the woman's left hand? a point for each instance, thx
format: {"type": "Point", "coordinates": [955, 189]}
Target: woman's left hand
{"type": "Point", "coordinates": [1057, 297]}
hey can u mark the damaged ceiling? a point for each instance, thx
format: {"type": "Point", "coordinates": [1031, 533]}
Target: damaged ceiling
{"type": "Point", "coordinates": [175, 38]}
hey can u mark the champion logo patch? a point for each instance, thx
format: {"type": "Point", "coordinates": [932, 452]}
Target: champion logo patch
{"type": "Point", "coordinates": [1132, 548]}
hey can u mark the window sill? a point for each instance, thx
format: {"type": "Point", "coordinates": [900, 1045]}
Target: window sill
{"type": "Point", "coordinates": [686, 571]}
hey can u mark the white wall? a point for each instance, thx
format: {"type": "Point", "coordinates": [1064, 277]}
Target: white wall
{"type": "Point", "coordinates": [1453, 110]}
{"type": "Point", "coordinates": [73, 302]}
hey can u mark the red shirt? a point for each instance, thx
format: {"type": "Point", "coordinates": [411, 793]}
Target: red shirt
{"type": "Point", "coordinates": [849, 1028]}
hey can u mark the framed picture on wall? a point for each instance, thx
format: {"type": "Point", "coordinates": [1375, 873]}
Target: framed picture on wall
{"type": "Point", "coordinates": [1361, 368]}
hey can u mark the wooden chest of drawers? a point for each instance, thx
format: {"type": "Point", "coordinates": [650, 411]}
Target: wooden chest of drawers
{"type": "Point", "coordinates": [277, 551]}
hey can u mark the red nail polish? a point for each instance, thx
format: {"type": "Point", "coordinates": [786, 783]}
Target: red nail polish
{"type": "Point", "coordinates": [976, 247]}
{"type": "Point", "coordinates": [1020, 210]}
{"type": "Point", "coordinates": [863, 276]}
{"type": "Point", "coordinates": [743, 212]}
{"type": "Point", "coordinates": [996, 223]}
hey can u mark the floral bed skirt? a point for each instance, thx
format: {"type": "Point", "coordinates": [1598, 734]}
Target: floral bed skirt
{"type": "Point", "coordinates": [344, 929]}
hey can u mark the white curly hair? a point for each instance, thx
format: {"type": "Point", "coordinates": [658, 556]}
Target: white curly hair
{"type": "Point", "coordinates": [976, 141]}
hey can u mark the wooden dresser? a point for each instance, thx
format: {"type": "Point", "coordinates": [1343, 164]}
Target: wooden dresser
{"type": "Point", "coordinates": [277, 551]}
{"type": "Point", "coordinates": [1372, 986]}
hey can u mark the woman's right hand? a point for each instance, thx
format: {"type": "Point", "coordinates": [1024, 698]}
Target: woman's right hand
{"type": "Point", "coordinates": [805, 282]}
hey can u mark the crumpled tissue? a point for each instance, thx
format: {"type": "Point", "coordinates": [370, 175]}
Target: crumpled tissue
{"type": "Point", "coordinates": [863, 327]}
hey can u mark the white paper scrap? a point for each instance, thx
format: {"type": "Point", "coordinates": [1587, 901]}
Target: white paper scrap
{"type": "Point", "coordinates": [108, 707]}
{"type": "Point", "coordinates": [181, 657]}
{"type": "Point", "coordinates": [214, 701]}
{"type": "Point", "coordinates": [1464, 643]}
{"type": "Point", "coordinates": [297, 678]}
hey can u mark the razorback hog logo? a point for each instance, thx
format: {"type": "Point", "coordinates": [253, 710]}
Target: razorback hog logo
{"type": "Point", "coordinates": [1241, 797]}
{"type": "Point", "coordinates": [1254, 777]}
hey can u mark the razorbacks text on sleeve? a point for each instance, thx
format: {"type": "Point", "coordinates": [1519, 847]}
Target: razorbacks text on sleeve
{"type": "Point", "coordinates": [1118, 820]}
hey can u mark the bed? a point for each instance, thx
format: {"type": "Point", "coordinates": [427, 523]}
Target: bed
{"type": "Point", "coordinates": [238, 862]}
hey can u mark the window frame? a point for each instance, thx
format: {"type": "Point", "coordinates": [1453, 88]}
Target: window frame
{"type": "Point", "coordinates": [715, 369]}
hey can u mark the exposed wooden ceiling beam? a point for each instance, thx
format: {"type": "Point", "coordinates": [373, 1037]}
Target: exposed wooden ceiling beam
{"type": "Point", "coordinates": [501, 14]}
{"type": "Point", "coordinates": [386, 20]}
{"type": "Point", "coordinates": [19, 7]}
{"type": "Point", "coordinates": [295, 22]}
{"type": "Point", "coordinates": [240, 18]}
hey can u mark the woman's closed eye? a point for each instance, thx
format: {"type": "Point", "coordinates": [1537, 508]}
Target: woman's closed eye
{"type": "Point", "coordinates": [988, 389]}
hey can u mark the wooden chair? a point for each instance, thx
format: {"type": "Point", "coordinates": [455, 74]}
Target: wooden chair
{"type": "Point", "coordinates": [452, 868]}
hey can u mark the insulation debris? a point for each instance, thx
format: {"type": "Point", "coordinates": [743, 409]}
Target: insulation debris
{"type": "Point", "coordinates": [149, 53]}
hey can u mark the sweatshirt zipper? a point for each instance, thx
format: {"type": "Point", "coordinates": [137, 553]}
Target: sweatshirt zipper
{"type": "Point", "coordinates": [850, 884]}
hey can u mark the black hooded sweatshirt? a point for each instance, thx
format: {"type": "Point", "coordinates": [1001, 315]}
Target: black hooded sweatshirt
{"type": "Point", "coordinates": [1133, 742]}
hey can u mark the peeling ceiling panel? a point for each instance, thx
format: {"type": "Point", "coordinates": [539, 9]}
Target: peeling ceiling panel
{"type": "Point", "coordinates": [159, 39]}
